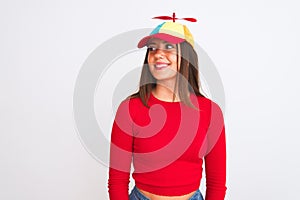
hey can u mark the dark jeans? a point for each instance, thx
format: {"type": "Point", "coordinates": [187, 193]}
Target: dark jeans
{"type": "Point", "coordinates": [137, 195]}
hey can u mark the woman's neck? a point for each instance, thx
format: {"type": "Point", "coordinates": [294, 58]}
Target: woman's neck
{"type": "Point", "coordinates": [165, 93]}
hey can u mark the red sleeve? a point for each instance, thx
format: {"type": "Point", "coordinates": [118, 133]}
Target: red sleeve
{"type": "Point", "coordinates": [215, 159]}
{"type": "Point", "coordinates": [120, 154]}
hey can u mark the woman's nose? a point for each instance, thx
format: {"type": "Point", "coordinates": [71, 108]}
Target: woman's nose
{"type": "Point", "coordinates": [160, 53]}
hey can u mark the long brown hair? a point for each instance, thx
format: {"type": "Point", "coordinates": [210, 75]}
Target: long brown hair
{"type": "Point", "coordinates": [187, 80]}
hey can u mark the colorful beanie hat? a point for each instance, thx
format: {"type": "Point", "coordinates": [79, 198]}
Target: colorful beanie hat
{"type": "Point", "coordinates": [172, 32]}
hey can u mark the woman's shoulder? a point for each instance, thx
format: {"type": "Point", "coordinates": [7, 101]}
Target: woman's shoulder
{"type": "Point", "coordinates": [206, 102]}
{"type": "Point", "coordinates": [133, 101]}
{"type": "Point", "coordinates": [131, 106]}
{"type": "Point", "coordinates": [202, 100]}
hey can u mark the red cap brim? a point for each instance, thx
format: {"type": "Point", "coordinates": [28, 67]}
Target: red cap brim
{"type": "Point", "coordinates": [163, 36]}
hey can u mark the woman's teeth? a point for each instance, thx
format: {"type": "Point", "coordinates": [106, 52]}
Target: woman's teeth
{"type": "Point", "coordinates": [161, 66]}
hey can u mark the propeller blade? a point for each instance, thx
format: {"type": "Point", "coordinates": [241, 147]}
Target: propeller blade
{"type": "Point", "coordinates": [190, 19]}
{"type": "Point", "coordinates": [163, 17]}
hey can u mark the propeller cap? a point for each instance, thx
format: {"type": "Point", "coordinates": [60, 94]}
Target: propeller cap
{"type": "Point", "coordinates": [172, 32]}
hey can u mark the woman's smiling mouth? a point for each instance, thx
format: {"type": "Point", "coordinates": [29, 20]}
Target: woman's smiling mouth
{"type": "Point", "coordinates": [160, 65]}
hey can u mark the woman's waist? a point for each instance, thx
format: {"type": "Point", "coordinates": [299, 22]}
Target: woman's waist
{"type": "Point", "coordinates": [162, 197]}
{"type": "Point", "coordinates": [167, 190]}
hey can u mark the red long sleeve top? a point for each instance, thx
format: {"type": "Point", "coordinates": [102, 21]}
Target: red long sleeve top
{"type": "Point", "coordinates": [166, 144]}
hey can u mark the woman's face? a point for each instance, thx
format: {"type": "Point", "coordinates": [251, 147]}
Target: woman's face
{"type": "Point", "coordinates": [162, 59]}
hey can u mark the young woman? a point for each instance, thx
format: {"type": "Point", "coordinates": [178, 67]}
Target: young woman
{"type": "Point", "coordinates": [168, 128]}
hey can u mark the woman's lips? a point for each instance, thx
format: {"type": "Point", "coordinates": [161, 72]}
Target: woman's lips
{"type": "Point", "coordinates": [160, 66]}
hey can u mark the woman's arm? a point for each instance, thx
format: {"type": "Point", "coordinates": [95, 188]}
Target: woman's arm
{"type": "Point", "coordinates": [215, 159]}
{"type": "Point", "coordinates": [120, 154]}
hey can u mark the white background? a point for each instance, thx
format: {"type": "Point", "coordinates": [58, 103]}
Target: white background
{"type": "Point", "coordinates": [254, 45]}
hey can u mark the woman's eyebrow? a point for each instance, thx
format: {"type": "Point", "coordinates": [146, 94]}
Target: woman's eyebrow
{"type": "Point", "coordinates": [150, 43]}
{"type": "Point", "coordinates": [164, 42]}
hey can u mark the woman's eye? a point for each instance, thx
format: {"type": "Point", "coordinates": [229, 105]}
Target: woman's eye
{"type": "Point", "coordinates": [169, 46]}
{"type": "Point", "coordinates": [151, 48]}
